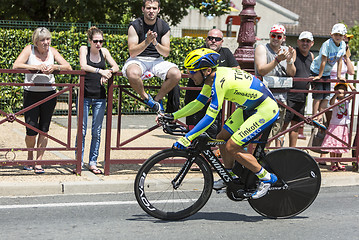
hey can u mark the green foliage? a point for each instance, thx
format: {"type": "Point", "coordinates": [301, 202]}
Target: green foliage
{"type": "Point", "coordinates": [104, 11]}
{"type": "Point", "coordinates": [354, 42]}
{"type": "Point", "coordinates": [214, 7]}
{"type": "Point", "coordinates": [68, 43]}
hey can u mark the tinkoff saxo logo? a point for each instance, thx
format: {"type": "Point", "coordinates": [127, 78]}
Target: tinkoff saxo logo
{"type": "Point", "coordinates": [250, 132]}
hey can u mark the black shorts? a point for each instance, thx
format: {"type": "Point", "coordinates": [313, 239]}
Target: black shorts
{"type": "Point", "coordinates": [297, 106]}
{"type": "Point", "coordinates": [40, 116]}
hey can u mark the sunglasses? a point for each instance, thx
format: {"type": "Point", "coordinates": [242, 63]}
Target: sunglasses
{"type": "Point", "coordinates": [279, 37]}
{"type": "Point", "coordinates": [98, 41]}
{"type": "Point", "coordinates": [217, 39]}
{"type": "Point", "coordinates": [192, 72]}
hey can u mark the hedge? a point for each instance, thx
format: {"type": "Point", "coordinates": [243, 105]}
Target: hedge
{"type": "Point", "coordinates": [12, 41]}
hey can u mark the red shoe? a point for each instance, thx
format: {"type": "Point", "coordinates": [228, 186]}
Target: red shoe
{"type": "Point", "coordinates": [341, 168]}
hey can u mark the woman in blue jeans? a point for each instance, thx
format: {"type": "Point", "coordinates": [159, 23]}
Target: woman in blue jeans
{"type": "Point", "coordinates": [93, 60]}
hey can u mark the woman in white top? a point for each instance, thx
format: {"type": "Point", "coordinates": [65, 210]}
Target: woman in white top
{"type": "Point", "coordinates": [41, 57]}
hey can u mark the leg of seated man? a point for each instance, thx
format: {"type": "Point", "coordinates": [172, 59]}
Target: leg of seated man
{"type": "Point", "coordinates": [134, 73]}
{"type": "Point", "coordinates": [172, 79]}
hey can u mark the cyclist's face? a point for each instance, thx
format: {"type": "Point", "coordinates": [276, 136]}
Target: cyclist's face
{"type": "Point", "coordinates": [196, 76]}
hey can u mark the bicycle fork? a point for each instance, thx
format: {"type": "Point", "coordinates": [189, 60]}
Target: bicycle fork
{"type": "Point", "coordinates": [177, 181]}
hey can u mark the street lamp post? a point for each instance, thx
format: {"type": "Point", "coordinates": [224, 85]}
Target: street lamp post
{"type": "Point", "coordinates": [244, 54]}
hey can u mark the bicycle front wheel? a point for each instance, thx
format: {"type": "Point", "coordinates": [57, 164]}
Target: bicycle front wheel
{"type": "Point", "coordinates": [297, 187]}
{"type": "Point", "coordinates": [156, 193]}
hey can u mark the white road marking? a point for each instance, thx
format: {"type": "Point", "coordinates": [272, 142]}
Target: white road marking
{"type": "Point", "coordinates": [79, 204]}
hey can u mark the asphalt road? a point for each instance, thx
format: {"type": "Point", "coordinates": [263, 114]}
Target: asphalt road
{"type": "Point", "coordinates": [334, 215]}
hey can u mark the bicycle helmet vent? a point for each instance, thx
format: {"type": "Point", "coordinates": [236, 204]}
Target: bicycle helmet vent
{"type": "Point", "coordinates": [201, 58]}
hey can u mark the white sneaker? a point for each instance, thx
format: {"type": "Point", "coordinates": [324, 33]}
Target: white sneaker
{"type": "Point", "coordinates": [264, 186]}
{"type": "Point", "coordinates": [219, 184]}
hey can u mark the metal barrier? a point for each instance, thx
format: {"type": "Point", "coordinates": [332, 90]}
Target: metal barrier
{"type": "Point", "coordinates": [122, 144]}
{"type": "Point", "coordinates": [229, 107]}
{"type": "Point", "coordinates": [309, 120]}
{"type": "Point", "coordinates": [10, 153]}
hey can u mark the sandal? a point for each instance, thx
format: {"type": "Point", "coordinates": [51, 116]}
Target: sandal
{"type": "Point", "coordinates": [28, 168]}
{"type": "Point", "coordinates": [39, 170]}
{"type": "Point", "coordinates": [95, 170]}
{"type": "Point", "coordinates": [334, 168]}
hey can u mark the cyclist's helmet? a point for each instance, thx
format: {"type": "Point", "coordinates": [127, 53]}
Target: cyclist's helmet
{"type": "Point", "coordinates": [201, 58]}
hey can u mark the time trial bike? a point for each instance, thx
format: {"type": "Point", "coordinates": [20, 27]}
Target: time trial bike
{"type": "Point", "coordinates": [165, 188]}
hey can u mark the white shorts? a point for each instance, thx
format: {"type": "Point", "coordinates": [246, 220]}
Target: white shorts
{"type": "Point", "coordinates": [158, 66]}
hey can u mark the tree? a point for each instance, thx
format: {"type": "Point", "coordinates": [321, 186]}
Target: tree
{"type": "Point", "coordinates": [104, 11]}
{"type": "Point", "coordinates": [354, 43]}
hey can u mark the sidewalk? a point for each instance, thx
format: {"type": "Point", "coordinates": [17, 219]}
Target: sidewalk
{"type": "Point", "coordinates": [14, 181]}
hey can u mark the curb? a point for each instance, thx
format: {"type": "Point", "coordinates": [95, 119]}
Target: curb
{"type": "Point", "coordinates": [9, 189]}
{"type": "Point", "coordinates": [36, 189]}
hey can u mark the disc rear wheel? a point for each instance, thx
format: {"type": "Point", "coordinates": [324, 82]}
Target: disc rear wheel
{"type": "Point", "coordinates": [297, 187]}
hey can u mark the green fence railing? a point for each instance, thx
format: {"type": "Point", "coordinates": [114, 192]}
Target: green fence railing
{"type": "Point", "coordinates": [62, 26]}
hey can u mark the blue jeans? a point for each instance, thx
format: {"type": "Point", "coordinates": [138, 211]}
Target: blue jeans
{"type": "Point", "coordinates": [98, 113]}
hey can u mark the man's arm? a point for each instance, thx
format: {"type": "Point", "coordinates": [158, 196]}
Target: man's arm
{"type": "Point", "coordinates": [290, 62]}
{"type": "Point", "coordinates": [195, 105]}
{"type": "Point", "coordinates": [260, 60]}
{"type": "Point", "coordinates": [163, 48]}
{"type": "Point", "coordinates": [134, 47]}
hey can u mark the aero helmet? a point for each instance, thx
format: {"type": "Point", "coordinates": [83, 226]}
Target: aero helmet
{"type": "Point", "coordinates": [201, 58]}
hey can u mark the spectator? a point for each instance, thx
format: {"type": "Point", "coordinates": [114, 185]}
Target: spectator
{"type": "Point", "coordinates": [214, 42]}
{"type": "Point", "coordinates": [41, 57]}
{"type": "Point", "coordinates": [302, 60]}
{"type": "Point", "coordinates": [148, 39]}
{"type": "Point", "coordinates": [330, 52]}
{"type": "Point", "coordinates": [347, 68]}
{"type": "Point", "coordinates": [338, 126]}
{"type": "Point", "coordinates": [273, 59]}
{"type": "Point", "coordinates": [93, 60]}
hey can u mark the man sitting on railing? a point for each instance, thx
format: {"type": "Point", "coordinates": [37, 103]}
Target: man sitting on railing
{"type": "Point", "coordinates": [148, 39]}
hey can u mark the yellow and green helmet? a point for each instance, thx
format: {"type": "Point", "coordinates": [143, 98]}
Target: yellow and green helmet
{"type": "Point", "coordinates": [201, 58]}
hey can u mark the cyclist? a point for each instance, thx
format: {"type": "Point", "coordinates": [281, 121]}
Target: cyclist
{"type": "Point", "coordinates": [257, 110]}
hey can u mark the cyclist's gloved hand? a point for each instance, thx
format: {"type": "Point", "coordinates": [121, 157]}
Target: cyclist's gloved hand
{"type": "Point", "coordinates": [163, 118]}
{"type": "Point", "coordinates": [168, 117]}
{"type": "Point", "coordinates": [182, 143]}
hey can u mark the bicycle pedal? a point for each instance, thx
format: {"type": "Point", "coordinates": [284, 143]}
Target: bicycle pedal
{"type": "Point", "coordinates": [220, 191]}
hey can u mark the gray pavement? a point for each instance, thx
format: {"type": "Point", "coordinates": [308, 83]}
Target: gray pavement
{"type": "Point", "coordinates": [14, 181]}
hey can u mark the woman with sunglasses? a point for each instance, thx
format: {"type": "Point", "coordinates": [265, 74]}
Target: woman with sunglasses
{"type": "Point", "coordinates": [93, 60]}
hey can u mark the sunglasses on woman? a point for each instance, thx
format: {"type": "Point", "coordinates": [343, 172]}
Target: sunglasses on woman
{"type": "Point", "coordinates": [279, 37]}
{"type": "Point", "coordinates": [98, 41]}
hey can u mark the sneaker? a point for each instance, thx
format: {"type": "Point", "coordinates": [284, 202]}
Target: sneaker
{"type": "Point", "coordinates": [154, 105]}
{"type": "Point", "coordinates": [264, 186]}
{"type": "Point", "coordinates": [219, 184]}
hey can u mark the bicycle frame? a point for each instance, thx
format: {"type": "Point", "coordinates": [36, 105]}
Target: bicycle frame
{"type": "Point", "coordinates": [203, 146]}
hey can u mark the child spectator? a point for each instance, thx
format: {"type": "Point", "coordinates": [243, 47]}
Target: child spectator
{"type": "Point", "coordinates": [330, 52]}
{"type": "Point", "coordinates": [338, 126]}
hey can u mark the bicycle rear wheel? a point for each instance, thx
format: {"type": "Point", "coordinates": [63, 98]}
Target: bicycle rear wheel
{"type": "Point", "coordinates": [158, 197]}
{"type": "Point", "coordinates": [297, 187]}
